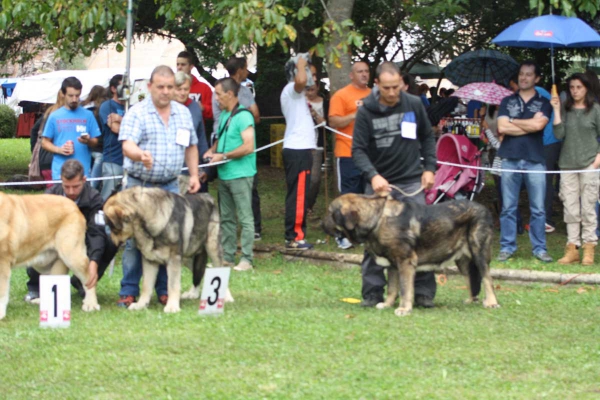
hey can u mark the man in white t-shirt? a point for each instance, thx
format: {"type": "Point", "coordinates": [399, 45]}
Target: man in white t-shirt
{"type": "Point", "coordinates": [299, 140]}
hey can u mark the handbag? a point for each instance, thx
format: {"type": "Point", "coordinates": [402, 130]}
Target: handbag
{"type": "Point", "coordinates": [34, 166]}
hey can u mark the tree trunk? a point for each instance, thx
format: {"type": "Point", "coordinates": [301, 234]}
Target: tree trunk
{"type": "Point", "coordinates": [339, 10]}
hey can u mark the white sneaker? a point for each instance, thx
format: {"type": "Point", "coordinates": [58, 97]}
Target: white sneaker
{"type": "Point", "coordinates": [343, 243]}
{"type": "Point", "coordinates": [243, 266]}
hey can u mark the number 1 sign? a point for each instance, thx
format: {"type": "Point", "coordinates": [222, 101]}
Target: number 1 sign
{"type": "Point", "coordinates": [214, 288]}
{"type": "Point", "coordinates": [55, 301]}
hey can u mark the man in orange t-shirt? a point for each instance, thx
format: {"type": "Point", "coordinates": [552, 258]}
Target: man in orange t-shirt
{"type": "Point", "coordinates": [342, 111]}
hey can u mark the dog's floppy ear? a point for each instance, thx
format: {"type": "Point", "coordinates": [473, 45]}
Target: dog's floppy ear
{"type": "Point", "coordinates": [116, 216]}
{"type": "Point", "coordinates": [347, 219]}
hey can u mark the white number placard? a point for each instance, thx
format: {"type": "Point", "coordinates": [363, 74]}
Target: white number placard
{"type": "Point", "coordinates": [214, 288]}
{"type": "Point", "coordinates": [55, 301]}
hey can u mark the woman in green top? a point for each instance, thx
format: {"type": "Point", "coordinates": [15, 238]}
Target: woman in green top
{"type": "Point", "coordinates": [578, 123]}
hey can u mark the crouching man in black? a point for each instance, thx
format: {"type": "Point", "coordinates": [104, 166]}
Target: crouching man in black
{"type": "Point", "coordinates": [100, 249]}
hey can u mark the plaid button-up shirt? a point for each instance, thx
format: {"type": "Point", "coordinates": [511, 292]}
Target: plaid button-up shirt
{"type": "Point", "coordinates": [144, 126]}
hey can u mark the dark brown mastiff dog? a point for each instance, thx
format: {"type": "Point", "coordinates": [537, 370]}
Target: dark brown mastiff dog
{"type": "Point", "coordinates": [413, 237]}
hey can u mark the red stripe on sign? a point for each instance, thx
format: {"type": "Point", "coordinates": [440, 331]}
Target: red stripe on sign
{"type": "Point", "coordinates": [300, 199]}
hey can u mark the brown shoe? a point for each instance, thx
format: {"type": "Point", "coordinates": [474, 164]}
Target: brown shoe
{"type": "Point", "coordinates": [571, 255]}
{"type": "Point", "coordinates": [588, 254]}
{"type": "Point", "coordinates": [125, 301]}
{"type": "Point", "coordinates": [163, 299]}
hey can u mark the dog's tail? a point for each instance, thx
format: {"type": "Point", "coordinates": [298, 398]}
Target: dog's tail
{"type": "Point", "coordinates": [474, 278]}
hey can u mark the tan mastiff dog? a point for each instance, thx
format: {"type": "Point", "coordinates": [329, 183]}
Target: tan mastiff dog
{"type": "Point", "coordinates": [46, 232]}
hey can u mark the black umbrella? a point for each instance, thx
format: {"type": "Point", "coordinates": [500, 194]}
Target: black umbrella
{"type": "Point", "coordinates": [481, 66]}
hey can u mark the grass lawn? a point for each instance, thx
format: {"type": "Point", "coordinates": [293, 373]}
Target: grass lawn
{"type": "Point", "coordinates": [288, 335]}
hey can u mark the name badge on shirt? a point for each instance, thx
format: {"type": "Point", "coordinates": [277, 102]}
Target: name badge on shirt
{"type": "Point", "coordinates": [408, 126]}
{"type": "Point", "coordinates": [183, 137]}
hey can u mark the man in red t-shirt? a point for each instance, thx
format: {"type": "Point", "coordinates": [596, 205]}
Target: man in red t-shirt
{"type": "Point", "coordinates": [200, 91]}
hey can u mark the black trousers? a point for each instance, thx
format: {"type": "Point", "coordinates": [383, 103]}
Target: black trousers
{"type": "Point", "coordinates": [33, 284]}
{"type": "Point", "coordinates": [551, 153]}
{"type": "Point", "coordinates": [256, 206]}
{"type": "Point", "coordinates": [297, 164]}
{"type": "Point", "coordinates": [373, 277]}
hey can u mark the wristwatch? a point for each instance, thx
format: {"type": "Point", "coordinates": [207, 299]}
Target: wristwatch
{"type": "Point", "coordinates": [511, 120]}
{"type": "Point", "coordinates": [225, 157]}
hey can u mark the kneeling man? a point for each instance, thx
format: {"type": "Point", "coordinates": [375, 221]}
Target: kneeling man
{"type": "Point", "coordinates": [100, 249]}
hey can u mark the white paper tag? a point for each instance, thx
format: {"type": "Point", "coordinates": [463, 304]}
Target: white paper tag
{"type": "Point", "coordinates": [55, 301]}
{"type": "Point", "coordinates": [214, 289]}
{"type": "Point", "coordinates": [409, 130]}
{"type": "Point", "coordinates": [99, 218]}
{"type": "Point", "coordinates": [183, 137]}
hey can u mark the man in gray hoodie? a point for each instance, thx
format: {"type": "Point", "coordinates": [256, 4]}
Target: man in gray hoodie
{"type": "Point", "coordinates": [391, 135]}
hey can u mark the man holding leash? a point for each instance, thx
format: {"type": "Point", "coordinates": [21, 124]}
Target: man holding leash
{"type": "Point", "coordinates": [100, 249]}
{"type": "Point", "coordinates": [157, 135]}
{"type": "Point", "coordinates": [391, 134]}
{"type": "Point", "coordinates": [235, 142]}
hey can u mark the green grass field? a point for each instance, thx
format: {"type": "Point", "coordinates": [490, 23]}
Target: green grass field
{"type": "Point", "coordinates": [289, 336]}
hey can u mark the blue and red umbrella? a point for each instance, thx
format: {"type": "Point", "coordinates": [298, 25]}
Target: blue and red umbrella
{"type": "Point", "coordinates": [549, 32]}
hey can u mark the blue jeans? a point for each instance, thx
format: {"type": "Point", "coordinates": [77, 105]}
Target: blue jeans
{"type": "Point", "coordinates": [132, 258]}
{"type": "Point", "coordinates": [96, 168]}
{"type": "Point", "coordinates": [536, 190]}
{"type": "Point", "coordinates": [110, 169]}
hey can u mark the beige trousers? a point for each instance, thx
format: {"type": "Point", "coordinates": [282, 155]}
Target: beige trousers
{"type": "Point", "coordinates": [579, 193]}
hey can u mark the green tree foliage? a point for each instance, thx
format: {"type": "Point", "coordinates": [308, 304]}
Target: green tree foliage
{"type": "Point", "coordinates": [8, 122]}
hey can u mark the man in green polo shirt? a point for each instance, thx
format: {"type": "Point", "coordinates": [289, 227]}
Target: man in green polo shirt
{"type": "Point", "coordinates": [235, 144]}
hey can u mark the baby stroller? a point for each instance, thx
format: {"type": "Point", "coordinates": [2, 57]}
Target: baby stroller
{"type": "Point", "coordinates": [452, 182]}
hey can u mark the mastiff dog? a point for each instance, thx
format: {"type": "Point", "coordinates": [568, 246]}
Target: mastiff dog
{"type": "Point", "coordinates": [46, 232]}
{"type": "Point", "coordinates": [411, 237]}
{"type": "Point", "coordinates": [167, 228]}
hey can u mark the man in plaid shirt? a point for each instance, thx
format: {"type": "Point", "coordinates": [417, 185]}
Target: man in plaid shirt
{"type": "Point", "coordinates": [156, 138]}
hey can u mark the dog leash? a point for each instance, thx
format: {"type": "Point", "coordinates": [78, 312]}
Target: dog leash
{"type": "Point", "coordinates": [406, 194]}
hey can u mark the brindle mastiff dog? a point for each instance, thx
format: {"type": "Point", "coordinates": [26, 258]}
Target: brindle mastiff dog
{"type": "Point", "coordinates": [167, 227]}
{"type": "Point", "coordinates": [46, 232]}
{"type": "Point", "coordinates": [413, 237]}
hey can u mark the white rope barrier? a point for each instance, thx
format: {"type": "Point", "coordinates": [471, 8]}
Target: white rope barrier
{"type": "Point", "coordinates": [322, 124]}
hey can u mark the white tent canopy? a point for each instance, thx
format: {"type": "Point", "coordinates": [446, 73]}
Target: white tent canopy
{"type": "Point", "coordinates": [43, 88]}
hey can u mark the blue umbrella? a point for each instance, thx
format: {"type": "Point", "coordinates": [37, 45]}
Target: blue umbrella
{"type": "Point", "coordinates": [549, 31]}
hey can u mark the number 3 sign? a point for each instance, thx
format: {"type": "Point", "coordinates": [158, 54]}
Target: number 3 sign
{"type": "Point", "coordinates": [55, 301]}
{"type": "Point", "coordinates": [214, 288]}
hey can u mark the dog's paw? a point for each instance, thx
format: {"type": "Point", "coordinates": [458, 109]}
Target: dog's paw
{"type": "Point", "coordinates": [228, 297]}
{"type": "Point", "coordinates": [489, 304]}
{"type": "Point", "coordinates": [35, 301]}
{"type": "Point", "coordinates": [191, 294]}
{"type": "Point", "coordinates": [137, 306]}
{"type": "Point", "coordinates": [2, 315]}
{"type": "Point", "coordinates": [382, 305]}
{"type": "Point", "coordinates": [172, 308]}
{"type": "Point", "coordinates": [88, 307]}
{"type": "Point", "coordinates": [402, 312]}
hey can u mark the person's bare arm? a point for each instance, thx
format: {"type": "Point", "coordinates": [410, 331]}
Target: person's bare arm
{"type": "Point", "coordinates": [246, 148]}
{"type": "Point", "coordinates": [301, 78]}
{"type": "Point", "coordinates": [337, 122]}
{"type": "Point", "coordinates": [132, 151]}
{"type": "Point", "coordinates": [65, 149]}
{"type": "Point", "coordinates": [520, 127]}
{"type": "Point", "coordinates": [255, 112]}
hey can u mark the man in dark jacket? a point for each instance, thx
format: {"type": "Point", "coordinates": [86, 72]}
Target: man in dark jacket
{"type": "Point", "coordinates": [100, 249]}
{"type": "Point", "coordinates": [391, 134]}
